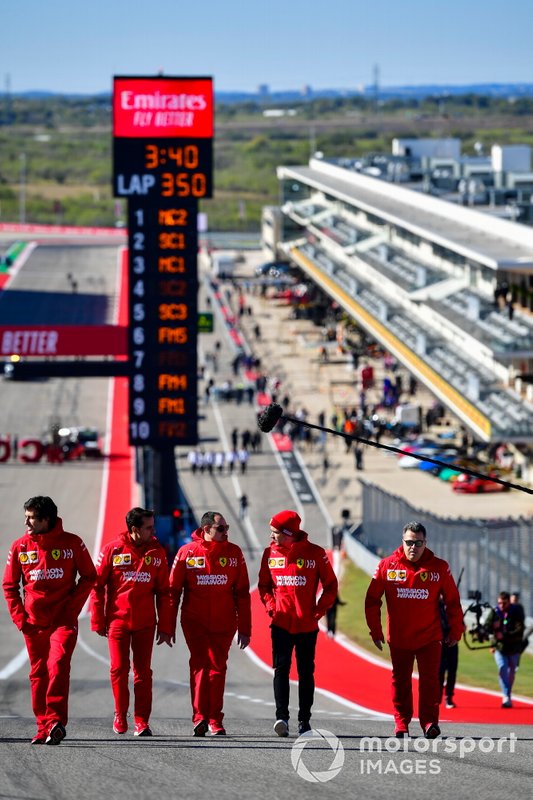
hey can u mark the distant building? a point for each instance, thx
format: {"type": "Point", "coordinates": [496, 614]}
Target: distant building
{"type": "Point", "coordinates": [447, 289]}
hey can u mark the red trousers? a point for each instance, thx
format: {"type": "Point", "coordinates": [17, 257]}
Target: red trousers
{"type": "Point", "coordinates": [207, 666]}
{"type": "Point", "coordinates": [50, 652]}
{"type": "Point", "coordinates": [141, 643]}
{"type": "Point", "coordinates": [429, 690]}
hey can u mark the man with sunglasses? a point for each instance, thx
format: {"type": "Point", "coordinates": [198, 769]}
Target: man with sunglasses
{"type": "Point", "coordinates": [210, 574]}
{"type": "Point", "coordinates": [413, 580]}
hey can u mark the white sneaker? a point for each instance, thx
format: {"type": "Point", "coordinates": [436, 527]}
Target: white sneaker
{"type": "Point", "coordinates": [281, 727]}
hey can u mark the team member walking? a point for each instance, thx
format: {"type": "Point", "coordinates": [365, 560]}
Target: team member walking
{"type": "Point", "coordinates": [131, 585]}
{"type": "Point", "coordinates": [210, 573]}
{"type": "Point", "coordinates": [56, 573]}
{"type": "Point", "coordinates": [413, 580]}
{"type": "Point", "coordinates": [291, 570]}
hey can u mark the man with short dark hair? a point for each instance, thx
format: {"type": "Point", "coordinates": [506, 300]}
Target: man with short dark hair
{"type": "Point", "coordinates": [413, 580]}
{"type": "Point", "coordinates": [506, 623]}
{"type": "Point", "coordinates": [56, 573]}
{"type": "Point", "coordinates": [210, 573]}
{"type": "Point", "coordinates": [132, 582]}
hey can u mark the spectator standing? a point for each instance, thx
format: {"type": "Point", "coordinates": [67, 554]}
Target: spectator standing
{"type": "Point", "coordinates": [331, 617]}
{"type": "Point", "coordinates": [413, 580]}
{"type": "Point", "coordinates": [243, 459]}
{"type": "Point", "coordinates": [291, 570]}
{"type": "Point", "coordinates": [129, 602]}
{"type": "Point", "coordinates": [448, 661]}
{"type": "Point", "coordinates": [56, 574]}
{"type": "Point", "coordinates": [243, 506]}
{"type": "Point", "coordinates": [210, 579]}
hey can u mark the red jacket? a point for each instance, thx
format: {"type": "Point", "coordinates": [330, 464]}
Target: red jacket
{"type": "Point", "coordinates": [288, 585]}
{"type": "Point", "coordinates": [57, 574]}
{"type": "Point", "coordinates": [412, 593]}
{"type": "Point", "coordinates": [129, 579]}
{"type": "Point", "coordinates": [214, 581]}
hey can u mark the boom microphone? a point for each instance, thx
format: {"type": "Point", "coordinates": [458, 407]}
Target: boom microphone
{"type": "Point", "coordinates": [269, 418]}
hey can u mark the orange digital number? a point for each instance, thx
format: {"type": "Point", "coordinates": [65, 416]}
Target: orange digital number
{"type": "Point", "coordinates": [152, 156]}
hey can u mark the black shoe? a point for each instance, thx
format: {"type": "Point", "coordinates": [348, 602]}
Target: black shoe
{"type": "Point", "coordinates": [218, 732]}
{"type": "Point", "coordinates": [39, 739]}
{"type": "Point", "coordinates": [142, 730]}
{"type": "Point", "coordinates": [303, 727]}
{"type": "Point", "coordinates": [56, 734]}
{"type": "Point", "coordinates": [401, 734]}
{"type": "Point", "coordinates": [432, 731]}
{"type": "Point", "coordinates": [201, 728]}
{"type": "Point", "coordinates": [281, 727]}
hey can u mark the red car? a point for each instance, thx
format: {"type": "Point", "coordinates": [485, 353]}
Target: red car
{"type": "Point", "coordinates": [470, 485]}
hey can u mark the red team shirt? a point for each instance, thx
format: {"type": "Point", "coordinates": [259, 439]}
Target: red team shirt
{"type": "Point", "coordinates": [57, 574]}
{"type": "Point", "coordinates": [289, 578]}
{"type": "Point", "coordinates": [412, 592]}
{"type": "Point", "coordinates": [129, 577]}
{"type": "Point", "coordinates": [214, 581]}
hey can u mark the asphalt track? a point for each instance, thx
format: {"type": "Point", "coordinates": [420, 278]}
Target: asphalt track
{"type": "Point", "coordinates": [250, 761]}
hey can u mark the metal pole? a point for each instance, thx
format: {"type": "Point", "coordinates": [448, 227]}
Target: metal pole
{"type": "Point", "coordinates": [22, 195]}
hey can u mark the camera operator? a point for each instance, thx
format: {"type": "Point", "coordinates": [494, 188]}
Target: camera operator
{"type": "Point", "coordinates": [506, 623]}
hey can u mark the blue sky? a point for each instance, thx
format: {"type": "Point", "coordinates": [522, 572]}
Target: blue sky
{"type": "Point", "coordinates": [72, 46]}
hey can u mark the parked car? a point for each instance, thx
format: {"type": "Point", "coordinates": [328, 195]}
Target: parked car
{"type": "Point", "coordinates": [273, 269]}
{"type": "Point", "coordinates": [467, 484]}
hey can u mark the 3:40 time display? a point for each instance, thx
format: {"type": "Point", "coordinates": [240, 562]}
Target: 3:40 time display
{"type": "Point", "coordinates": [186, 156]}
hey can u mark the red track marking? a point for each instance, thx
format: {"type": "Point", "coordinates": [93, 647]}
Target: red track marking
{"type": "Point", "coordinates": [120, 483]}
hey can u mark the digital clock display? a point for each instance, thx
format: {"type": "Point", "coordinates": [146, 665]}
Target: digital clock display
{"type": "Point", "coordinates": [145, 168]}
{"type": "Point", "coordinates": [163, 165]}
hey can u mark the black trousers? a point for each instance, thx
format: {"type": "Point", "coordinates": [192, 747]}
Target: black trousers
{"type": "Point", "coordinates": [283, 644]}
{"type": "Point", "coordinates": [448, 668]}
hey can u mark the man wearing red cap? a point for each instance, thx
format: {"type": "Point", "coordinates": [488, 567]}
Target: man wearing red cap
{"type": "Point", "coordinates": [291, 570]}
{"type": "Point", "coordinates": [413, 580]}
{"type": "Point", "coordinates": [210, 573]}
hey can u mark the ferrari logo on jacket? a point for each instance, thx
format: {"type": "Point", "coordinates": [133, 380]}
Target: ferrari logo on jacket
{"type": "Point", "coordinates": [56, 554]}
{"type": "Point", "coordinates": [300, 562]}
{"type": "Point", "coordinates": [195, 562]}
{"type": "Point", "coordinates": [222, 561]}
{"type": "Point", "coordinates": [423, 576]}
{"type": "Point", "coordinates": [147, 560]}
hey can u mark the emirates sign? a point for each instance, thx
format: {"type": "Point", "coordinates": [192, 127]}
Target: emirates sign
{"type": "Point", "coordinates": [163, 107]}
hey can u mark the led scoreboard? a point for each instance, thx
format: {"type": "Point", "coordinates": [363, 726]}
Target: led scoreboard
{"type": "Point", "coordinates": [162, 159]}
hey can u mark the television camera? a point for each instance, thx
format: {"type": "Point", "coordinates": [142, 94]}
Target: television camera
{"type": "Point", "coordinates": [478, 632]}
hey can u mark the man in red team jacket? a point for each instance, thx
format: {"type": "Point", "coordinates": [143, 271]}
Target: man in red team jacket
{"type": "Point", "coordinates": [413, 580]}
{"type": "Point", "coordinates": [210, 573]}
{"type": "Point", "coordinates": [291, 570]}
{"type": "Point", "coordinates": [56, 573]}
{"type": "Point", "coordinates": [132, 581]}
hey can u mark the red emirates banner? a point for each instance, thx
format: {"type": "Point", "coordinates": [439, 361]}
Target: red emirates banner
{"type": "Point", "coordinates": [163, 107]}
{"type": "Point", "coordinates": [63, 340]}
